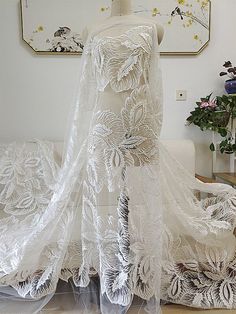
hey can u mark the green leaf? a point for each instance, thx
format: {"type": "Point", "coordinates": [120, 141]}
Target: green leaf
{"type": "Point", "coordinates": [223, 143]}
{"type": "Point", "coordinates": [209, 96]}
{"type": "Point", "coordinates": [212, 147]}
{"type": "Point", "coordinates": [225, 99]}
{"type": "Point", "coordinates": [222, 131]}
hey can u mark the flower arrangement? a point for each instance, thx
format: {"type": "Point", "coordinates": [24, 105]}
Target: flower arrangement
{"type": "Point", "coordinates": [230, 70]}
{"type": "Point", "coordinates": [216, 114]}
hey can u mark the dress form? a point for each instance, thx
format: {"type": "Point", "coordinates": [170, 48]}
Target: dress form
{"type": "Point", "coordinates": [124, 8]}
{"type": "Point", "coordinates": [120, 7]}
{"type": "Point", "coordinates": [121, 10]}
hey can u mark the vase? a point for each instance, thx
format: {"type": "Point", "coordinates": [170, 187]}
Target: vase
{"type": "Point", "coordinates": [230, 86]}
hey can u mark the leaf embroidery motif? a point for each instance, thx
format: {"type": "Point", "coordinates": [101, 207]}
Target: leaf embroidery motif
{"type": "Point", "coordinates": [137, 115]}
{"type": "Point", "coordinates": [133, 142]}
{"type": "Point", "coordinates": [175, 288]}
{"type": "Point", "coordinates": [127, 67]}
{"type": "Point", "coordinates": [227, 294]}
{"type": "Point", "coordinates": [116, 158]}
{"type": "Point", "coordinates": [101, 130]}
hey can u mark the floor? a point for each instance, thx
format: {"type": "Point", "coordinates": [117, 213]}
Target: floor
{"type": "Point", "coordinates": [168, 309]}
{"type": "Point", "coordinates": [75, 303]}
{"type": "Point", "coordinates": [71, 300]}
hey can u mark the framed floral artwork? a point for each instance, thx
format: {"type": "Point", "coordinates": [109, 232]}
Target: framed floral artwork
{"type": "Point", "coordinates": [56, 26]}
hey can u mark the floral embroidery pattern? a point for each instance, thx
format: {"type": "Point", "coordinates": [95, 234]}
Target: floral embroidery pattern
{"type": "Point", "coordinates": [207, 284]}
{"type": "Point", "coordinates": [119, 236]}
{"type": "Point", "coordinates": [121, 61]}
{"type": "Point", "coordinates": [122, 140]}
{"type": "Point", "coordinates": [23, 181]}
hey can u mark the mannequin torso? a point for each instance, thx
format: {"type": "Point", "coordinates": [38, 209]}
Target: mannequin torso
{"type": "Point", "coordinates": [123, 8]}
{"type": "Point", "coordinates": [125, 67]}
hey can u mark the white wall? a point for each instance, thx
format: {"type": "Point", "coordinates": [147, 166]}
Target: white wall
{"type": "Point", "coordinates": [36, 91]}
{"type": "Point", "coordinates": [199, 75]}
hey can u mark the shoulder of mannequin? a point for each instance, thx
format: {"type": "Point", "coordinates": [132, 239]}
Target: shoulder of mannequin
{"type": "Point", "coordinates": [160, 30]}
{"type": "Point", "coordinates": [88, 29]}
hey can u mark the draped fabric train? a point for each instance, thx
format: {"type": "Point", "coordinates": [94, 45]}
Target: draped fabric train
{"type": "Point", "coordinates": [97, 221]}
{"type": "Point", "coordinates": [120, 207]}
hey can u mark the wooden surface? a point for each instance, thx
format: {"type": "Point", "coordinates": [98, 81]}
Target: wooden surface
{"type": "Point", "coordinates": [57, 308]}
{"type": "Point", "coordinates": [177, 309]}
{"type": "Point", "coordinates": [205, 179]}
{"type": "Point", "coordinates": [226, 176]}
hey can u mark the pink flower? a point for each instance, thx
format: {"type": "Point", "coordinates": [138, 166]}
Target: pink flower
{"type": "Point", "coordinates": [212, 103]}
{"type": "Point", "coordinates": [208, 104]}
{"type": "Point", "coordinates": [204, 104]}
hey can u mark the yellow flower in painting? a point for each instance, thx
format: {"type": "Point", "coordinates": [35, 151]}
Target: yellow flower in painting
{"type": "Point", "coordinates": [103, 9]}
{"type": "Point", "coordinates": [155, 11]}
{"type": "Point", "coordinates": [196, 37]}
{"type": "Point", "coordinates": [204, 4]}
{"type": "Point", "coordinates": [181, 1]}
{"type": "Point", "coordinates": [40, 28]}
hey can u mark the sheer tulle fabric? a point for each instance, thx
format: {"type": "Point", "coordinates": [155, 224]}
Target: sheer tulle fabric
{"type": "Point", "coordinates": [119, 218]}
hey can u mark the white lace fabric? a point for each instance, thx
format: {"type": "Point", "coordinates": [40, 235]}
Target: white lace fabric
{"type": "Point", "coordinates": [119, 207]}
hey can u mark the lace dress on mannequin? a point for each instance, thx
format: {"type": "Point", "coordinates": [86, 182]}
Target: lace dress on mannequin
{"type": "Point", "coordinates": [121, 182]}
{"type": "Point", "coordinates": [122, 208]}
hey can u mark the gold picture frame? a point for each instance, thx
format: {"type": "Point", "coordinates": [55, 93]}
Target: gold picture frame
{"type": "Point", "coordinates": [181, 17]}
